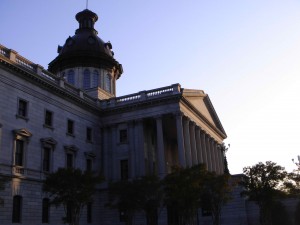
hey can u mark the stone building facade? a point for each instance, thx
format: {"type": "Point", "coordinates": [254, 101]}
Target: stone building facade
{"type": "Point", "coordinates": [69, 116]}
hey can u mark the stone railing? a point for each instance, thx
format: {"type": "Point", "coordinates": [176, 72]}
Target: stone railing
{"type": "Point", "coordinates": [39, 70]}
{"type": "Point", "coordinates": [143, 95]}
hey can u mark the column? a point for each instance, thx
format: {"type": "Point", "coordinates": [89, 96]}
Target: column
{"type": "Point", "coordinates": [208, 152]}
{"type": "Point", "coordinates": [160, 148]}
{"type": "Point", "coordinates": [193, 144]}
{"type": "Point", "coordinates": [199, 147]}
{"type": "Point", "coordinates": [139, 134]}
{"type": "Point", "coordinates": [132, 156]}
{"type": "Point", "coordinates": [212, 154]}
{"type": "Point", "coordinates": [187, 142]}
{"type": "Point", "coordinates": [203, 147]}
{"type": "Point", "coordinates": [180, 141]}
{"type": "Point", "coordinates": [221, 154]}
{"type": "Point", "coordinates": [218, 170]}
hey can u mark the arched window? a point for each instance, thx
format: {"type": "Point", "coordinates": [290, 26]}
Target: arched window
{"type": "Point", "coordinates": [108, 83]}
{"type": "Point", "coordinates": [95, 78]}
{"type": "Point", "coordinates": [86, 79]}
{"type": "Point", "coordinates": [17, 209]}
{"type": "Point", "coordinates": [71, 77]}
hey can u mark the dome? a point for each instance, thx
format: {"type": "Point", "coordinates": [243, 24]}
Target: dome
{"type": "Point", "coordinates": [85, 48]}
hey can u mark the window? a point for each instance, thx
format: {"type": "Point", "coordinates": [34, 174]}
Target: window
{"type": "Point", "coordinates": [89, 165]}
{"type": "Point", "coordinates": [71, 77]}
{"type": "Point", "coordinates": [71, 151]}
{"type": "Point", "coordinates": [19, 153]}
{"type": "Point", "coordinates": [70, 127]}
{"type": "Point", "coordinates": [89, 134]}
{"type": "Point", "coordinates": [48, 118]}
{"type": "Point", "coordinates": [69, 160]}
{"type": "Point", "coordinates": [22, 108]}
{"type": "Point", "coordinates": [46, 159]}
{"type": "Point", "coordinates": [86, 79]}
{"type": "Point", "coordinates": [22, 137]}
{"type": "Point", "coordinates": [123, 136]}
{"type": "Point", "coordinates": [89, 212]}
{"type": "Point", "coordinates": [17, 209]}
{"type": "Point", "coordinates": [95, 78]}
{"type": "Point", "coordinates": [108, 83]}
{"type": "Point", "coordinates": [45, 210]}
{"type": "Point", "coordinates": [48, 146]}
{"type": "Point", "coordinates": [124, 169]}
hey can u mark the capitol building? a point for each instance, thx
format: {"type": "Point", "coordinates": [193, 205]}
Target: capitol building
{"type": "Point", "coordinates": [69, 116]}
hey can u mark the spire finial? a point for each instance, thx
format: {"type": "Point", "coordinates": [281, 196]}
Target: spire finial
{"type": "Point", "coordinates": [87, 4]}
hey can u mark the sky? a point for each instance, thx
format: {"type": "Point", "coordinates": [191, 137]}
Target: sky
{"type": "Point", "coordinates": [244, 54]}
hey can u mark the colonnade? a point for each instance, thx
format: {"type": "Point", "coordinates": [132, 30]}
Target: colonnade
{"type": "Point", "coordinates": [195, 146]}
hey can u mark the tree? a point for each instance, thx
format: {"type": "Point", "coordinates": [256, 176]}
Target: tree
{"type": "Point", "coordinates": [263, 184]}
{"type": "Point", "coordinates": [183, 193]}
{"type": "Point", "coordinates": [140, 194]}
{"type": "Point", "coordinates": [71, 188]}
{"type": "Point", "coordinates": [216, 192]}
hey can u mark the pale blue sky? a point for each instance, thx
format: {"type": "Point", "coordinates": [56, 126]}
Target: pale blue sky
{"type": "Point", "coordinates": [244, 53]}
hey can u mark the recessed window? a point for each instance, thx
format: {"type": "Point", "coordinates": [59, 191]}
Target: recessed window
{"type": "Point", "coordinates": [95, 78]}
{"type": "Point", "coordinates": [19, 153]}
{"type": "Point", "coordinates": [45, 210]}
{"type": "Point", "coordinates": [89, 165]}
{"type": "Point", "coordinates": [89, 134]}
{"type": "Point", "coordinates": [123, 136]}
{"type": "Point", "coordinates": [48, 118]}
{"type": "Point", "coordinates": [108, 83]}
{"type": "Point", "coordinates": [22, 108]}
{"type": "Point", "coordinates": [86, 79]}
{"type": "Point", "coordinates": [71, 77]}
{"type": "Point", "coordinates": [17, 209]}
{"type": "Point", "coordinates": [46, 159]}
{"type": "Point", "coordinates": [70, 160]}
{"type": "Point", "coordinates": [70, 127]}
{"type": "Point", "coordinates": [124, 169]}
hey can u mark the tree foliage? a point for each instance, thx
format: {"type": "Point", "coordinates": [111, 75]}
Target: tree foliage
{"type": "Point", "coordinates": [183, 192]}
{"type": "Point", "coordinates": [263, 184]}
{"type": "Point", "coordinates": [216, 192]}
{"type": "Point", "coordinates": [71, 188]}
{"type": "Point", "coordinates": [140, 194]}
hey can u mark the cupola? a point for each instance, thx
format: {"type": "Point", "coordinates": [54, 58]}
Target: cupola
{"type": "Point", "coordinates": [86, 61]}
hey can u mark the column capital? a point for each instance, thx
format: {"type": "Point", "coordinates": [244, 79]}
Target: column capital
{"type": "Point", "coordinates": [178, 114]}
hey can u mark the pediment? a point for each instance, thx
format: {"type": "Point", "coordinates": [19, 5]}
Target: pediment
{"type": "Point", "coordinates": [201, 102]}
{"type": "Point", "coordinates": [22, 132]}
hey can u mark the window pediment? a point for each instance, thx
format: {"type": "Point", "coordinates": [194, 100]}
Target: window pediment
{"type": "Point", "coordinates": [22, 132]}
{"type": "Point", "coordinates": [90, 154]}
{"type": "Point", "coordinates": [48, 141]}
{"type": "Point", "coordinates": [71, 148]}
